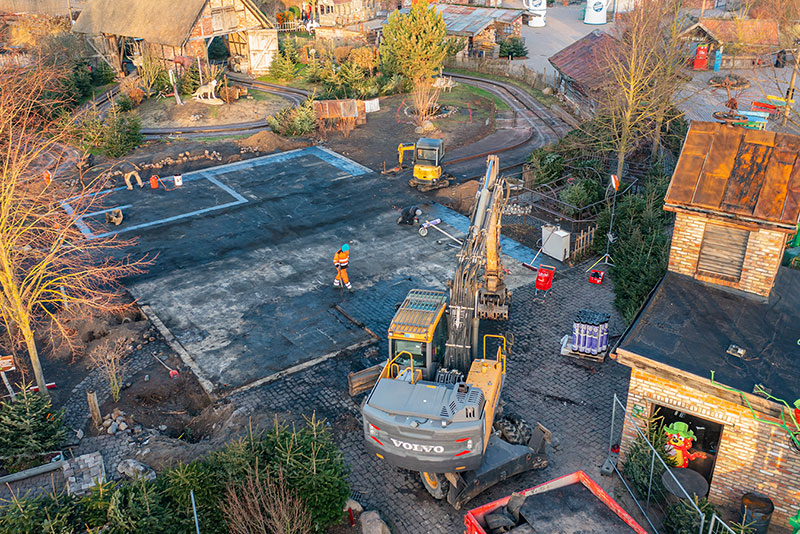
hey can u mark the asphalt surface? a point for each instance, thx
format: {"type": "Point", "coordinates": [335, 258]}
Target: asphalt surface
{"type": "Point", "coordinates": [243, 271]}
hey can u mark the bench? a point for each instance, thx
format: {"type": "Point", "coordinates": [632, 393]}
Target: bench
{"type": "Point", "coordinates": [755, 116]}
{"type": "Point", "coordinates": [763, 106]}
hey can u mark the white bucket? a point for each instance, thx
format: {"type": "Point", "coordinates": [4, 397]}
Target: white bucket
{"type": "Point", "coordinates": [178, 179]}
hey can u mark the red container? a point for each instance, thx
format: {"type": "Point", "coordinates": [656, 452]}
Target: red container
{"type": "Point", "coordinates": [701, 57]}
{"type": "Point", "coordinates": [596, 277]}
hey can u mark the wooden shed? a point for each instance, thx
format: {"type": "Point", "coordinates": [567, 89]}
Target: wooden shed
{"type": "Point", "coordinates": [184, 28]}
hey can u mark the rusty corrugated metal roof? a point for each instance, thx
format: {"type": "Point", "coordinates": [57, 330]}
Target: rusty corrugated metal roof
{"type": "Point", "coordinates": [581, 60]}
{"type": "Point", "coordinates": [751, 175]}
{"type": "Point", "coordinates": [744, 31]}
{"type": "Point", "coordinates": [468, 21]}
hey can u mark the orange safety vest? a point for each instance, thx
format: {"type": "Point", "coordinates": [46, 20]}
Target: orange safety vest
{"type": "Point", "coordinates": [341, 259]}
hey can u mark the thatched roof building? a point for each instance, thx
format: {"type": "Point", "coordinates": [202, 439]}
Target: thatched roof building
{"type": "Point", "coordinates": [183, 28]}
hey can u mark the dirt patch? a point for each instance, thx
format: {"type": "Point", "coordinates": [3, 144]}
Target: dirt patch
{"type": "Point", "coordinates": [166, 114]}
{"type": "Point", "coordinates": [270, 142]}
{"type": "Point", "coordinates": [375, 143]}
{"type": "Point", "coordinates": [459, 197]}
{"type": "Point", "coordinates": [155, 399]}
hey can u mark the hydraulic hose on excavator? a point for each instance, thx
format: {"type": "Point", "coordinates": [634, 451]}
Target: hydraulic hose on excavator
{"type": "Point", "coordinates": [478, 267]}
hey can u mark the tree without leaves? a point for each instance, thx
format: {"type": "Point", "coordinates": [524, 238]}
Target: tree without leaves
{"type": "Point", "coordinates": [49, 271]}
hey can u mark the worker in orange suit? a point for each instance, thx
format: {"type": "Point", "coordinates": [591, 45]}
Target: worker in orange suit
{"type": "Point", "coordinates": [341, 260]}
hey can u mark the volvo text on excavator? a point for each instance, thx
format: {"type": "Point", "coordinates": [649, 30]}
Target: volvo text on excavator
{"type": "Point", "coordinates": [435, 406]}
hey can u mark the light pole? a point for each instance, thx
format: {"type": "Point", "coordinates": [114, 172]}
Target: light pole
{"type": "Point", "coordinates": [790, 91]}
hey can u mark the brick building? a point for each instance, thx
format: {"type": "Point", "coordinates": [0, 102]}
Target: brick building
{"type": "Point", "coordinates": [185, 28]}
{"type": "Point", "coordinates": [736, 196]}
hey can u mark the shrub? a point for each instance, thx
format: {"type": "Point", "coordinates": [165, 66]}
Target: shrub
{"type": "Point", "coordinates": [682, 518]}
{"type": "Point", "coordinates": [82, 79]}
{"type": "Point", "coordinates": [641, 248]}
{"type": "Point", "coordinates": [544, 166]}
{"type": "Point", "coordinates": [29, 427]}
{"type": "Point", "coordinates": [102, 74]}
{"type": "Point", "coordinates": [514, 47]}
{"type": "Point", "coordinates": [288, 47]}
{"type": "Point", "coordinates": [282, 68]}
{"type": "Point", "coordinates": [301, 473]}
{"type": "Point", "coordinates": [122, 133]}
{"type": "Point", "coordinates": [363, 57]}
{"type": "Point", "coordinates": [581, 193]}
{"type": "Point", "coordinates": [341, 53]}
{"type": "Point", "coordinates": [294, 121]}
{"type": "Point", "coordinates": [640, 457]}
{"type": "Point", "coordinates": [262, 504]}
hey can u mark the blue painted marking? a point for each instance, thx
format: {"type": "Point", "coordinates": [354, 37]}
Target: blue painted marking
{"type": "Point", "coordinates": [170, 219]}
{"type": "Point", "coordinates": [78, 222]}
{"type": "Point", "coordinates": [511, 248]}
{"type": "Point", "coordinates": [225, 188]}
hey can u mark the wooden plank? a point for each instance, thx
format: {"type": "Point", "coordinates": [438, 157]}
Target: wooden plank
{"type": "Point", "coordinates": [710, 190]}
{"type": "Point", "coordinates": [747, 179]}
{"type": "Point", "coordinates": [776, 179]}
{"type": "Point", "coordinates": [691, 380]}
{"type": "Point", "coordinates": [364, 380]}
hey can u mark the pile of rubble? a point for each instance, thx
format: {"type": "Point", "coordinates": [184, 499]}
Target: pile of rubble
{"type": "Point", "coordinates": [183, 157]}
{"type": "Point", "coordinates": [117, 421]}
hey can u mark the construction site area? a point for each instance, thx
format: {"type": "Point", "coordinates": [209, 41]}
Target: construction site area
{"type": "Point", "coordinates": [347, 293]}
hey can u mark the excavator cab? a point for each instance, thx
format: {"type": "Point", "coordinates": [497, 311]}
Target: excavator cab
{"type": "Point", "coordinates": [428, 156]}
{"type": "Point", "coordinates": [417, 335]}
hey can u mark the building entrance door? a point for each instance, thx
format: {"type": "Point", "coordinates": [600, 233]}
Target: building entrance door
{"type": "Point", "coordinates": [703, 435]}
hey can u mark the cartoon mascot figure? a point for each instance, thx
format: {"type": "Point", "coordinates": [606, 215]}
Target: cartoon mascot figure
{"type": "Point", "coordinates": [679, 441]}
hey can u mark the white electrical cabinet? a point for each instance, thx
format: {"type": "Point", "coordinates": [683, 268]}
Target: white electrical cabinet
{"type": "Point", "coordinates": [555, 242]}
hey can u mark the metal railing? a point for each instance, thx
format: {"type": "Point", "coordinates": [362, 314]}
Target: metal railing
{"type": "Point", "coordinates": [646, 475]}
{"type": "Point", "coordinates": [651, 482]}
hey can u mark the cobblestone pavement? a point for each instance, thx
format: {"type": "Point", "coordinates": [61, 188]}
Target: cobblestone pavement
{"type": "Point", "coordinates": [570, 397]}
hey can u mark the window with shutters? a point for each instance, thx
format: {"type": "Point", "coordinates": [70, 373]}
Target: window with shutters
{"type": "Point", "coordinates": [722, 252]}
{"type": "Point", "coordinates": [223, 18]}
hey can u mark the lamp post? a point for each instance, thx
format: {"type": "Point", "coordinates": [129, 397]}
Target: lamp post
{"type": "Point", "coordinates": [790, 90]}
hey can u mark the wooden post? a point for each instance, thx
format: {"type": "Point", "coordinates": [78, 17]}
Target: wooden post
{"type": "Point", "coordinates": [94, 408]}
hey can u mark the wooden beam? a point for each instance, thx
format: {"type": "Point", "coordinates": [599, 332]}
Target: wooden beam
{"type": "Point", "coordinates": [685, 378]}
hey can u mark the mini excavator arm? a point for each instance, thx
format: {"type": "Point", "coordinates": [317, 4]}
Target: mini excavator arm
{"type": "Point", "coordinates": [402, 148]}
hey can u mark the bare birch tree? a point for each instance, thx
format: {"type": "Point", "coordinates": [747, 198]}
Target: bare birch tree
{"type": "Point", "coordinates": [49, 269]}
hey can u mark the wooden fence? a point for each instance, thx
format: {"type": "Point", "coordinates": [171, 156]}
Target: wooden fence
{"type": "Point", "coordinates": [504, 68]}
{"type": "Point", "coordinates": [582, 243]}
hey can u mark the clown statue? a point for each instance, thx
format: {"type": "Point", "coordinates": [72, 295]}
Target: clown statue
{"type": "Point", "coordinates": [679, 441]}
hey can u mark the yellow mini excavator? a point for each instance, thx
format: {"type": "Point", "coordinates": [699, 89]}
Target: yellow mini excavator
{"type": "Point", "coordinates": [435, 405]}
{"type": "Point", "coordinates": [427, 155]}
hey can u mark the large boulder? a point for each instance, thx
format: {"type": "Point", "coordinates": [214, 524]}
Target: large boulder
{"type": "Point", "coordinates": [371, 523]}
{"type": "Point", "coordinates": [135, 469]}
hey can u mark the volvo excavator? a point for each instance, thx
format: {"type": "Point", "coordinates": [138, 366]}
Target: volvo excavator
{"type": "Point", "coordinates": [434, 408]}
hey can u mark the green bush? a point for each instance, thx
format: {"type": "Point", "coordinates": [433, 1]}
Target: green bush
{"type": "Point", "coordinates": [674, 130]}
{"type": "Point", "coordinates": [294, 121]}
{"type": "Point", "coordinates": [514, 47]}
{"type": "Point", "coordinates": [682, 517]}
{"type": "Point", "coordinates": [29, 427]}
{"type": "Point", "coordinates": [102, 74]}
{"type": "Point", "coordinates": [581, 193]}
{"type": "Point", "coordinates": [122, 133]}
{"type": "Point", "coordinates": [217, 49]}
{"type": "Point", "coordinates": [641, 249]}
{"type": "Point", "coordinates": [82, 79]}
{"type": "Point", "coordinates": [306, 459]}
{"type": "Point", "coordinates": [282, 68]}
{"type": "Point", "coordinates": [544, 166]}
{"type": "Point", "coordinates": [639, 458]}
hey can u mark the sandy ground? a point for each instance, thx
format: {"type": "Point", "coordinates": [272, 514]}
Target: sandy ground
{"type": "Point", "coordinates": [165, 113]}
